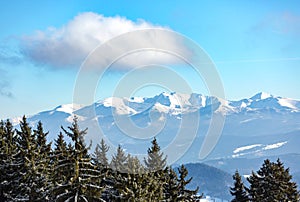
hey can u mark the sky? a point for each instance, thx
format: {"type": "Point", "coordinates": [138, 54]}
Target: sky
{"type": "Point", "coordinates": [254, 45]}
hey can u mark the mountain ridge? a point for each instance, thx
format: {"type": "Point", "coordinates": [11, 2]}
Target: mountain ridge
{"type": "Point", "coordinates": [270, 121]}
{"type": "Point", "coordinates": [166, 102]}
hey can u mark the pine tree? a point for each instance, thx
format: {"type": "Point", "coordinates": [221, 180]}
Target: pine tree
{"type": "Point", "coordinates": [171, 188]}
{"type": "Point", "coordinates": [118, 165]}
{"type": "Point", "coordinates": [238, 191]}
{"type": "Point", "coordinates": [41, 140]}
{"type": "Point", "coordinates": [184, 193]}
{"type": "Point", "coordinates": [33, 184]}
{"type": "Point", "coordinates": [43, 160]}
{"type": "Point", "coordinates": [134, 187]}
{"type": "Point", "coordinates": [134, 165]}
{"type": "Point", "coordinates": [99, 156]}
{"type": "Point", "coordinates": [85, 181]}
{"type": "Point", "coordinates": [272, 182]}
{"type": "Point", "coordinates": [9, 162]}
{"type": "Point", "coordinates": [155, 160]}
{"type": "Point", "coordinates": [119, 161]}
{"type": "Point", "coordinates": [132, 184]}
{"type": "Point", "coordinates": [156, 168]}
{"type": "Point", "coordinates": [31, 171]}
{"type": "Point", "coordinates": [62, 165]}
{"type": "Point", "coordinates": [101, 162]}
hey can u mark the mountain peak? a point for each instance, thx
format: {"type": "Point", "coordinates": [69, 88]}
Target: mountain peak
{"type": "Point", "coordinates": [261, 96]}
{"type": "Point", "coordinates": [68, 108]}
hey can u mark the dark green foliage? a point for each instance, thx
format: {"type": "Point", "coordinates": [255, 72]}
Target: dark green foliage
{"type": "Point", "coordinates": [185, 194]}
{"type": "Point", "coordinates": [130, 180]}
{"type": "Point", "coordinates": [155, 182]}
{"type": "Point", "coordinates": [99, 156]}
{"type": "Point", "coordinates": [34, 160]}
{"type": "Point", "coordinates": [119, 161]}
{"type": "Point", "coordinates": [84, 181]}
{"type": "Point", "coordinates": [10, 163]}
{"type": "Point", "coordinates": [61, 161]}
{"type": "Point", "coordinates": [238, 191]}
{"type": "Point", "coordinates": [43, 159]}
{"type": "Point", "coordinates": [156, 160]}
{"type": "Point", "coordinates": [172, 187]}
{"type": "Point", "coordinates": [272, 182]}
{"type": "Point", "coordinates": [31, 170]}
{"type": "Point", "coordinates": [156, 166]}
{"type": "Point", "coordinates": [134, 165]}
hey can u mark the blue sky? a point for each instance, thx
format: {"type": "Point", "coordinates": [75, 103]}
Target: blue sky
{"type": "Point", "coordinates": [254, 44]}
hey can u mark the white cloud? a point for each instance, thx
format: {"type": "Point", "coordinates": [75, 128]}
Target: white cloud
{"type": "Point", "coordinates": [69, 45]}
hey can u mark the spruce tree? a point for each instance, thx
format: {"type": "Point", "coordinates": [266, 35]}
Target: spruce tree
{"type": "Point", "coordinates": [134, 165]}
{"type": "Point", "coordinates": [10, 162]}
{"type": "Point", "coordinates": [44, 148]}
{"type": "Point", "coordinates": [238, 191]}
{"type": "Point", "coordinates": [32, 171]}
{"type": "Point", "coordinates": [155, 160]}
{"type": "Point", "coordinates": [131, 185]}
{"type": "Point", "coordinates": [134, 187]}
{"type": "Point", "coordinates": [118, 165]}
{"type": "Point", "coordinates": [184, 193]}
{"type": "Point", "coordinates": [272, 182]}
{"type": "Point", "coordinates": [156, 168]}
{"type": "Point", "coordinates": [33, 182]}
{"type": "Point", "coordinates": [43, 159]}
{"type": "Point", "coordinates": [100, 160]}
{"type": "Point", "coordinates": [119, 161]}
{"type": "Point", "coordinates": [62, 165]}
{"type": "Point", "coordinates": [85, 181]}
{"type": "Point", "coordinates": [100, 154]}
{"type": "Point", "coordinates": [171, 188]}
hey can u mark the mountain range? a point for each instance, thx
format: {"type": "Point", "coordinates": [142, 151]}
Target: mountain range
{"type": "Point", "coordinates": [256, 127]}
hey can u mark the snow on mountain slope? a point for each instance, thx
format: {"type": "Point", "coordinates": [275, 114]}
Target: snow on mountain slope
{"type": "Point", "coordinates": [274, 146]}
{"type": "Point", "coordinates": [256, 149]}
{"type": "Point", "coordinates": [245, 111]}
{"type": "Point", "coordinates": [244, 148]}
{"type": "Point", "coordinates": [67, 108]}
{"type": "Point", "coordinates": [225, 107]}
{"type": "Point", "coordinates": [266, 101]}
{"type": "Point", "coordinates": [252, 126]}
{"type": "Point", "coordinates": [118, 104]}
{"type": "Point", "coordinates": [177, 103]}
{"type": "Point", "coordinates": [289, 103]}
{"type": "Point", "coordinates": [261, 96]}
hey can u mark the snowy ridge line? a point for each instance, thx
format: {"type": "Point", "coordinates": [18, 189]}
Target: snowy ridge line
{"type": "Point", "coordinates": [175, 104]}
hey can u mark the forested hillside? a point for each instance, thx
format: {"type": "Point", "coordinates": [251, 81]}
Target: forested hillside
{"type": "Point", "coordinates": [33, 169]}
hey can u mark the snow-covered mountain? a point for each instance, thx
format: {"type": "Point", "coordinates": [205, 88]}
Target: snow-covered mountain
{"type": "Point", "coordinates": [257, 126]}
